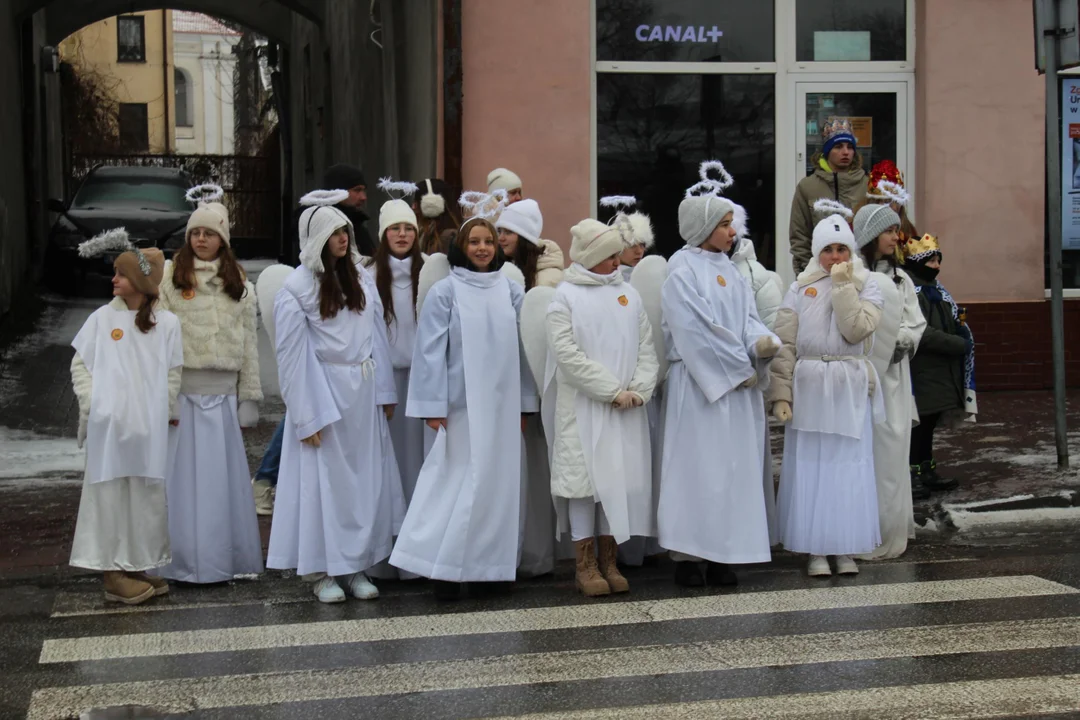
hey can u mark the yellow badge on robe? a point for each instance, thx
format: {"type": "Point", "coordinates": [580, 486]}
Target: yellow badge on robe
{"type": "Point", "coordinates": [188, 294]}
{"type": "Point", "coordinates": [117, 334]}
{"type": "Point", "coordinates": [623, 300]}
{"type": "Point", "coordinates": [811, 292]}
{"type": "Point", "coordinates": [721, 281]}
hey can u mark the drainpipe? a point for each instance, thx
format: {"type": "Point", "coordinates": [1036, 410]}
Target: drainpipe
{"type": "Point", "coordinates": [165, 73]}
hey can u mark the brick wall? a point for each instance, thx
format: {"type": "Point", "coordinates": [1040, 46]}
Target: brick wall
{"type": "Point", "coordinates": [1012, 344]}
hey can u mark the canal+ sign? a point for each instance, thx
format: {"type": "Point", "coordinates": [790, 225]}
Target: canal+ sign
{"type": "Point", "coordinates": [678, 33]}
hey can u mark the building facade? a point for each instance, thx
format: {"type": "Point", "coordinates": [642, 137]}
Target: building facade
{"type": "Point", "coordinates": [205, 82]}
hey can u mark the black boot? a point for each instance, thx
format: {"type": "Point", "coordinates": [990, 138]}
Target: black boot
{"type": "Point", "coordinates": [688, 574]}
{"type": "Point", "coordinates": [446, 590]}
{"type": "Point", "coordinates": [720, 575]}
{"type": "Point", "coordinates": [933, 481]}
{"type": "Point", "coordinates": [919, 491]}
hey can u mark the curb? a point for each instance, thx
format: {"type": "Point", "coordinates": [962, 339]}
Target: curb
{"type": "Point", "coordinates": [958, 517]}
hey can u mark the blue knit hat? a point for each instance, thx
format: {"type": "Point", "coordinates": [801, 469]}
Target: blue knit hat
{"type": "Point", "coordinates": [837, 130]}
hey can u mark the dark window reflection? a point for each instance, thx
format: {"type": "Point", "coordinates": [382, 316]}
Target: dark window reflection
{"type": "Point", "coordinates": [654, 130]}
{"type": "Point", "coordinates": [884, 20]}
{"type": "Point", "coordinates": [685, 30]}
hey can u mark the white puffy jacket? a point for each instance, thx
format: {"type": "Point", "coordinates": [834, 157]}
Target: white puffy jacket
{"type": "Point", "coordinates": [767, 286]}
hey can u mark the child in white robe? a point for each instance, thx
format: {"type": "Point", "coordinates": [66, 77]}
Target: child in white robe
{"type": "Point", "coordinates": [126, 375]}
{"type": "Point", "coordinates": [339, 499]}
{"type": "Point", "coordinates": [712, 502]}
{"type": "Point", "coordinates": [824, 386]}
{"type": "Point", "coordinates": [213, 527]}
{"type": "Point", "coordinates": [469, 382]}
{"type": "Point", "coordinates": [601, 341]}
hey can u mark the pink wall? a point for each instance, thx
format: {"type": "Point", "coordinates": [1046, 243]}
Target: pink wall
{"type": "Point", "coordinates": [980, 149]}
{"type": "Point", "coordinates": [526, 88]}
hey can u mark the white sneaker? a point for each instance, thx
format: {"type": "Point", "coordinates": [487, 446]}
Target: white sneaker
{"type": "Point", "coordinates": [328, 591]}
{"type": "Point", "coordinates": [819, 566]}
{"type": "Point", "coordinates": [362, 588]}
{"type": "Point", "coordinates": [264, 496]}
{"type": "Point", "coordinates": [845, 565]}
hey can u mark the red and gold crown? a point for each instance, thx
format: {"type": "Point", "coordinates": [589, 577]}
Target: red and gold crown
{"type": "Point", "coordinates": [884, 170]}
{"type": "Point", "coordinates": [917, 250]}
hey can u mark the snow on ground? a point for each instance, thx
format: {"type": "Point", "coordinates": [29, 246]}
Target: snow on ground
{"type": "Point", "coordinates": [26, 455]}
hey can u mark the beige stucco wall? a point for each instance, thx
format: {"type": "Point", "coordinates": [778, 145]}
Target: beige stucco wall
{"type": "Point", "coordinates": [526, 88]}
{"type": "Point", "coordinates": [94, 48]}
{"type": "Point", "coordinates": [980, 149]}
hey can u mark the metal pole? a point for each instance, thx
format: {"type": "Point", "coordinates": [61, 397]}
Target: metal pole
{"type": "Point", "coordinates": [1053, 191]}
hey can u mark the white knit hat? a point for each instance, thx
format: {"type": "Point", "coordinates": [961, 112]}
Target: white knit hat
{"type": "Point", "coordinates": [394, 212]}
{"type": "Point", "coordinates": [503, 179]}
{"type": "Point", "coordinates": [831, 230]}
{"type": "Point", "coordinates": [523, 218]}
{"type": "Point", "coordinates": [318, 222]}
{"type": "Point", "coordinates": [592, 242]}
{"type": "Point", "coordinates": [210, 216]}
{"type": "Point", "coordinates": [699, 215]}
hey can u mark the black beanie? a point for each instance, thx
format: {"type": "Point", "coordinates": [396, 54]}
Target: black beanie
{"type": "Point", "coordinates": [343, 177]}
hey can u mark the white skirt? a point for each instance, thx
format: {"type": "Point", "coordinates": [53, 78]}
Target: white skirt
{"type": "Point", "coordinates": [634, 551]}
{"type": "Point", "coordinates": [213, 527]}
{"type": "Point", "coordinates": [828, 495]}
{"type": "Point", "coordinates": [123, 525]}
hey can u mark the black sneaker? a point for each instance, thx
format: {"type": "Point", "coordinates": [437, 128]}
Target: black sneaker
{"type": "Point", "coordinates": [933, 481]}
{"type": "Point", "coordinates": [490, 589]}
{"type": "Point", "coordinates": [688, 574]}
{"type": "Point", "coordinates": [446, 590]}
{"type": "Point", "coordinates": [918, 490]}
{"type": "Point", "coordinates": [721, 575]}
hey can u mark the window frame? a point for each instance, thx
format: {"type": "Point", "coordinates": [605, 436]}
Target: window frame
{"type": "Point", "coordinates": [140, 20]}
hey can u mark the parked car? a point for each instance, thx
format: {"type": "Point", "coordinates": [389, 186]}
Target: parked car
{"type": "Point", "coordinates": [148, 201]}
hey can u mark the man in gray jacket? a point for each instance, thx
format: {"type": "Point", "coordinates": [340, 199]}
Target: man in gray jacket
{"type": "Point", "coordinates": [838, 175]}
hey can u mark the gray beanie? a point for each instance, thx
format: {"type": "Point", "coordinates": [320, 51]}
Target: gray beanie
{"type": "Point", "coordinates": [871, 221]}
{"type": "Point", "coordinates": [699, 215]}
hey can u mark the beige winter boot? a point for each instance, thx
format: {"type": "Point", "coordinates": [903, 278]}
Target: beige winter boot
{"type": "Point", "coordinates": [160, 584]}
{"type": "Point", "coordinates": [123, 589]}
{"type": "Point", "coordinates": [609, 551]}
{"type": "Point", "coordinates": [588, 578]}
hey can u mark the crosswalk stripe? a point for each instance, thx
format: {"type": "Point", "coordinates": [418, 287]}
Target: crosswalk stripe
{"type": "Point", "coordinates": [1007, 697]}
{"type": "Point", "coordinates": [548, 618]}
{"type": "Point", "coordinates": [187, 694]}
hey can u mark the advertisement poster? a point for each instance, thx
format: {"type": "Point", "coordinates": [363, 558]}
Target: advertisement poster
{"type": "Point", "coordinates": [1070, 163]}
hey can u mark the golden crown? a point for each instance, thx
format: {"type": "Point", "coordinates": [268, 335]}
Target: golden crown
{"type": "Point", "coordinates": [917, 248]}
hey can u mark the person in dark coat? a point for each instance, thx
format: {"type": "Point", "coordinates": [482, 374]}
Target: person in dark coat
{"type": "Point", "coordinates": [351, 179]}
{"type": "Point", "coordinates": [938, 368]}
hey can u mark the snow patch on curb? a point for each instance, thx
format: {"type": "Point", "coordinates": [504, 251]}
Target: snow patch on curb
{"type": "Point", "coordinates": [25, 455]}
{"type": "Point", "coordinates": [964, 520]}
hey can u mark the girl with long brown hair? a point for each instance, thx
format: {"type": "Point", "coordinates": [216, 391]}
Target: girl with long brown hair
{"type": "Point", "coordinates": [337, 381]}
{"type": "Point", "coordinates": [212, 523]}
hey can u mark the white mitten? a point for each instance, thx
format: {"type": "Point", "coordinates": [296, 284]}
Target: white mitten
{"type": "Point", "coordinates": [766, 347]}
{"type": "Point", "coordinates": [248, 414]}
{"type": "Point", "coordinates": [749, 382]}
{"type": "Point", "coordinates": [842, 273]}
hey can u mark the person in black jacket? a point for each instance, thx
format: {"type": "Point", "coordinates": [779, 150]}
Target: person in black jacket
{"type": "Point", "coordinates": [938, 368]}
{"type": "Point", "coordinates": [351, 179]}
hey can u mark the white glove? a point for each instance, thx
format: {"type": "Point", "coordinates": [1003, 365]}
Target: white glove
{"type": "Point", "coordinates": [248, 414]}
{"type": "Point", "coordinates": [766, 347]}
{"type": "Point", "coordinates": [842, 273]}
{"type": "Point", "coordinates": [749, 382]}
{"type": "Point", "coordinates": [82, 432]}
{"type": "Point", "coordinates": [781, 410]}
{"type": "Point", "coordinates": [623, 400]}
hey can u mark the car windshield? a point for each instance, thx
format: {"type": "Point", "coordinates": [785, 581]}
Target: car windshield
{"type": "Point", "coordinates": [132, 193]}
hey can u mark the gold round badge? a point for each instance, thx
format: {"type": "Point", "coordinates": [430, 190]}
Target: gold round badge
{"type": "Point", "coordinates": [721, 281]}
{"type": "Point", "coordinates": [623, 300]}
{"type": "Point", "coordinates": [117, 334]}
{"type": "Point", "coordinates": [188, 294]}
{"type": "Point", "coordinates": [811, 292]}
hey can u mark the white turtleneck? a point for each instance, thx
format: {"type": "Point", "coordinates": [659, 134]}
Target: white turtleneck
{"type": "Point", "coordinates": [403, 330]}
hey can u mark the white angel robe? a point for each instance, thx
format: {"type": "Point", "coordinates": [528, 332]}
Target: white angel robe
{"type": "Point", "coordinates": [468, 367]}
{"type": "Point", "coordinates": [712, 503]}
{"type": "Point", "coordinates": [601, 343]}
{"type": "Point", "coordinates": [827, 501]}
{"type": "Point", "coordinates": [407, 432]}
{"type": "Point", "coordinates": [123, 519]}
{"type": "Point", "coordinates": [901, 322]}
{"type": "Point", "coordinates": [339, 505]}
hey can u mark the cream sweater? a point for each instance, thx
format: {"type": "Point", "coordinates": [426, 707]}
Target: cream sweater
{"type": "Point", "coordinates": [219, 332]}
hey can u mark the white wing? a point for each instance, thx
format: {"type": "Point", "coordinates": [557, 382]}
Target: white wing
{"type": "Point", "coordinates": [512, 271]}
{"type": "Point", "coordinates": [648, 279]}
{"type": "Point", "coordinates": [266, 289]}
{"type": "Point", "coordinates": [436, 267]}
{"type": "Point", "coordinates": [534, 330]}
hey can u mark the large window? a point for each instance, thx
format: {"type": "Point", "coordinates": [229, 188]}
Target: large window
{"type": "Point", "coordinates": [134, 127]}
{"type": "Point", "coordinates": [850, 30]}
{"type": "Point", "coordinates": [654, 130]}
{"type": "Point", "coordinates": [185, 116]}
{"type": "Point", "coordinates": [684, 30]}
{"type": "Point", "coordinates": [130, 39]}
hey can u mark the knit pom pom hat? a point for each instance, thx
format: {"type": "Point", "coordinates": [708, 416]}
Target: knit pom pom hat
{"type": "Point", "coordinates": [592, 242]}
{"type": "Point", "coordinates": [503, 179]}
{"type": "Point", "coordinates": [871, 221]}
{"type": "Point", "coordinates": [830, 231]}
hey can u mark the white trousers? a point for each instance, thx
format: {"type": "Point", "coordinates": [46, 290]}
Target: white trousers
{"type": "Point", "coordinates": [587, 519]}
